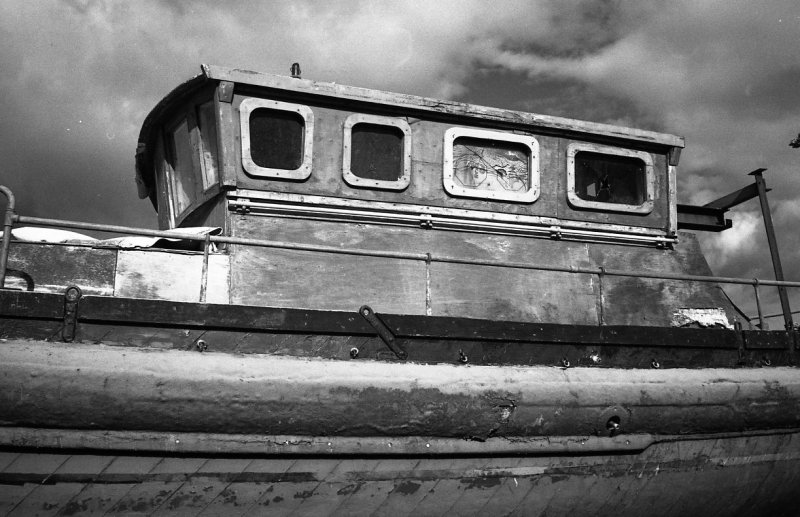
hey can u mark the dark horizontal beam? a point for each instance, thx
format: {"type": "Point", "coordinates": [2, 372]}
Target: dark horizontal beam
{"type": "Point", "coordinates": [702, 218]}
{"type": "Point", "coordinates": [734, 198]}
{"type": "Point", "coordinates": [130, 311]}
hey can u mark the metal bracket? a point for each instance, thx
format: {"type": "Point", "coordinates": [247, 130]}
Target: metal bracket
{"type": "Point", "coordinates": [383, 331]}
{"type": "Point", "coordinates": [225, 91]}
{"type": "Point", "coordinates": [241, 208]}
{"type": "Point", "coordinates": [71, 298]}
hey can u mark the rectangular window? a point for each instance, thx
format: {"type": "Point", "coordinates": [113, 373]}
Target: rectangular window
{"type": "Point", "coordinates": [180, 161]}
{"type": "Point", "coordinates": [491, 165]}
{"type": "Point", "coordinates": [377, 152]}
{"type": "Point", "coordinates": [609, 178]}
{"type": "Point", "coordinates": [276, 138]}
{"type": "Point", "coordinates": [208, 144]}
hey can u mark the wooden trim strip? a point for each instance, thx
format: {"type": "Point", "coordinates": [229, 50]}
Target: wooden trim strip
{"type": "Point", "coordinates": [412, 102]}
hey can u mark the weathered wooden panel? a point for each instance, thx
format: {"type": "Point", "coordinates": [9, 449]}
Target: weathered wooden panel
{"type": "Point", "coordinates": [714, 476]}
{"type": "Point", "coordinates": [642, 301]}
{"type": "Point", "coordinates": [54, 267]}
{"type": "Point", "coordinates": [512, 294]}
{"type": "Point", "coordinates": [174, 276]}
{"type": "Point", "coordinates": [300, 279]}
{"type": "Point", "coordinates": [455, 289]}
{"type": "Point", "coordinates": [426, 186]}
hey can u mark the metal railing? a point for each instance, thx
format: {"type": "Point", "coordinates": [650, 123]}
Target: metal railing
{"type": "Point", "coordinates": [428, 258]}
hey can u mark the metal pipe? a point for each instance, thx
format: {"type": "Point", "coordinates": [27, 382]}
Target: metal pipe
{"type": "Point", "coordinates": [761, 185]}
{"type": "Point", "coordinates": [398, 254]}
{"type": "Point", "coordinates": [758, 305]}
{"type": "Point", "coordinates": [8, 221]}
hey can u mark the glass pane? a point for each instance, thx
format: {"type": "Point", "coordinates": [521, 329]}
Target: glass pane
{"type": "Point", "coordinates": [276, 139]}
{"type": "Point", "coordinates": [376, 152]}
{"type": "Point", "coordinates": [491, 165]}
{"type": "Point", "coordinates": [182, 174]}
{"type": "Point", "coordinates": [208, 140]}
{"type": "Point", "coordinates": [607, 178]}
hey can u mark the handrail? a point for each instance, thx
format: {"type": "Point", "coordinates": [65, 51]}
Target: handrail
{"type": "Point", "coordinates": [399, 255]}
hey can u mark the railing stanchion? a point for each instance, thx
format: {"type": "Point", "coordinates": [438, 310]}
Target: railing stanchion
{"type": "Point", "coordinates": [761, 323]}
{"type": "Point", "coordinates": [8, 221]}
{"type": "Point", "coordinates": [204, 275]}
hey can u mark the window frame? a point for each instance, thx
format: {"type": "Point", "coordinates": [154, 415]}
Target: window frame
{"type": "Point", "coordinates": [529, 141]}
{"type": "Point", "coordinates": [201, 192]}
{"type": "Point", "coordinates": [347, 141]}
{"type": "Point", "coordinates": [577, 202]}
{"type": "Point", "coordinates": [251, 104]}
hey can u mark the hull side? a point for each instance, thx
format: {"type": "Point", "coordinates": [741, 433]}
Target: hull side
{"type": "Point", "coordinates": [754, 475]}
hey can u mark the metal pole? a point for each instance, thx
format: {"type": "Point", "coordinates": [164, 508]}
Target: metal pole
{"type": "Point", "coordinates": [773, 246]}
{"type": "Point", "coordinates": [7, 222]}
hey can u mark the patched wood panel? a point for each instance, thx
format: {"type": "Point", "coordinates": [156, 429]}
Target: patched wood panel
{"type": "Point", "coordinates": [512, 294]}
{"type": "Point", "coordinates": [652, 302]}
{"type": "Point", "coordinates": [314, 280]}
{"type": "Point", "coordinates": [171, 276]}
{"type": "Point", "coordinates": [52, 268]}
{"type": "Point", "coordinates": [455, 289]}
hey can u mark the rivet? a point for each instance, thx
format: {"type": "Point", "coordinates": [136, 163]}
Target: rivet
{"type": "Point", "coordinates": [202, 346]}
{"type": "Point", "coordinates": [565, 362]}
{"type": "Point", "coordinates": [354, 352]}
{"type": "Point", "coordinates": [655, 364]}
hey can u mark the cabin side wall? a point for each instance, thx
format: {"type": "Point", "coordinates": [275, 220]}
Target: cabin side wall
{"type": "Point", "coordinates": [427, 160]}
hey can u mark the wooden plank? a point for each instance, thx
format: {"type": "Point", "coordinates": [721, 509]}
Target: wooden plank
{"type": "Point", "coordinates": [203, 487]}
{"type": "Point", "coordinates": [512, 295]}
{"type": "Point", "coordinates": [285, 497]}
{"type": "Point", "coordinates": [327, 282]}
{"type": "Point", "coordinates": [448, 490]}
{"type": "Point", "coordinates": [170, 276]}
{"type": "Point", "coordinates": [55, 267]}
{"type": "Point", "coordinates": [414, 103]}
{"type": "Point", "coordinates": [169, 475]}
{"type": "Point", "coordinates": [652, 302]}
{"type": "Point", "coordinates": [45, 500]}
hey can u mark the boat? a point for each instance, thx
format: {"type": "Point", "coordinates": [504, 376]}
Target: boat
{"type": "Point", "coordinates": [369, 303]}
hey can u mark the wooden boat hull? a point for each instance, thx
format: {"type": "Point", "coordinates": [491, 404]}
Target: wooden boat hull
{"type": "Point", "coordinates": [94, 428]}
{"type": "Point", "coordinates": [89, 386]}
{"type": "Point", "coordinates": [746, 475]}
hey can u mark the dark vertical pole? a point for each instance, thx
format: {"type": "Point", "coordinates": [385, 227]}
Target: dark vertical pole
{"type": "Point", "coordinates": [773, 246]}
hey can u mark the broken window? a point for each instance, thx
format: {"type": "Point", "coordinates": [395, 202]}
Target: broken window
{"type": "Point", "coordinates": [491, 165]}
{"type": "Point", "coordinates": [182, 168]}
{"type": "Point", "coordinates": [608, 178]}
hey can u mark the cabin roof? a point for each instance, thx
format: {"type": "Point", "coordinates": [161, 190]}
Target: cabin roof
{"type": "Point", "coordinates": [411, 103]}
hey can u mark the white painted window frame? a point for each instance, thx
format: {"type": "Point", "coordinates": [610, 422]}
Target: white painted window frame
{"type": "Point", "coordinates": [575, 201]}
{"type": "Point", "coordinates": [301, 173]}
{"type": "Point", "coordinates": [357, 181]}
{"type": "Point", "coordinates": [529, 141]}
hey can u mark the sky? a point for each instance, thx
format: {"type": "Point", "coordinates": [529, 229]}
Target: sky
{"type": "Point", "coordinates": [79, 76]}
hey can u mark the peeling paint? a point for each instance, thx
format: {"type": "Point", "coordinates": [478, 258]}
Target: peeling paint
{"type": "Point", "coordinates": [708, 317]}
